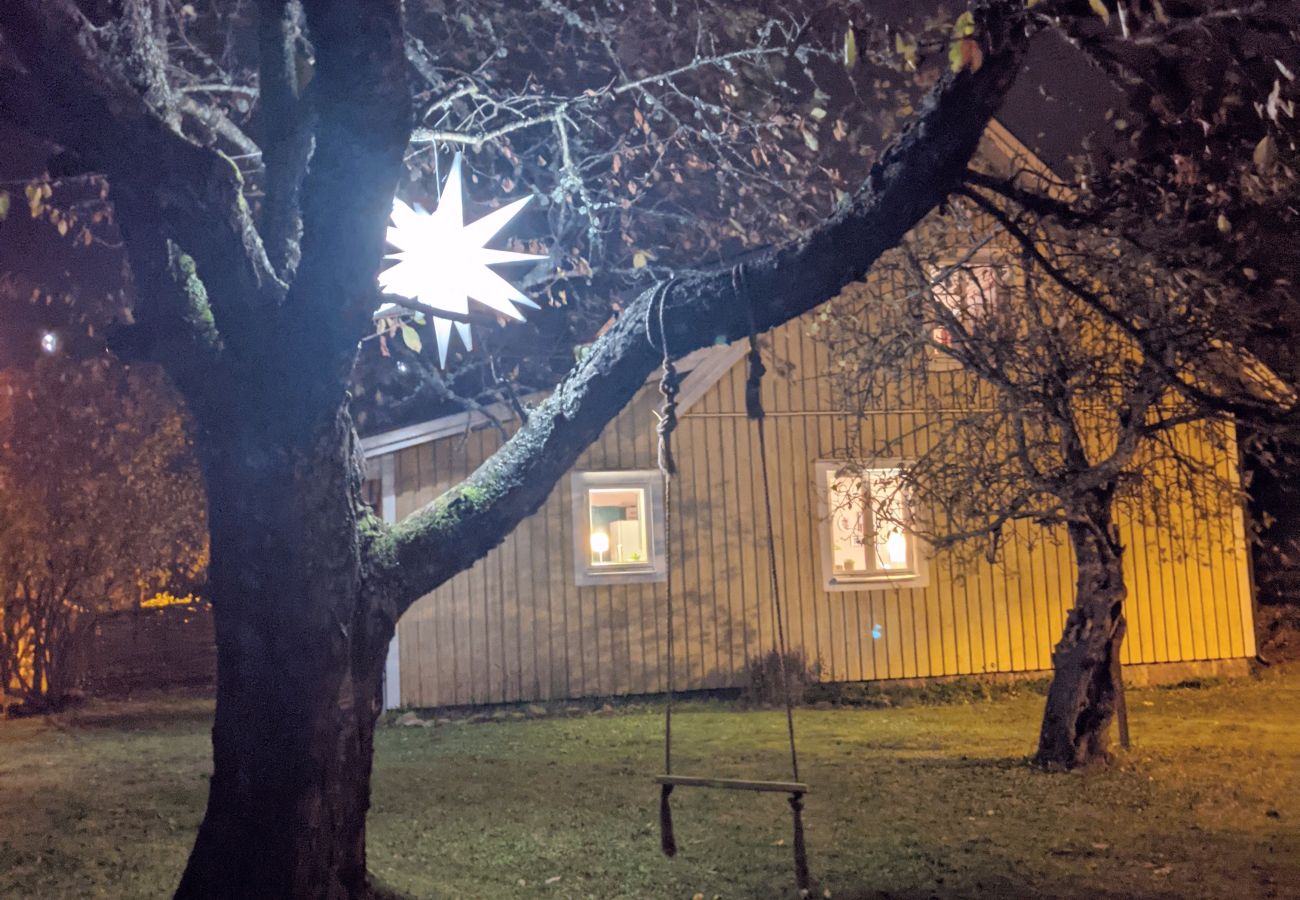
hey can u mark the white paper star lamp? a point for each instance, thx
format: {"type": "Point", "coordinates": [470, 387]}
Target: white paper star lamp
{"type": "Point", "coordinates": [443, 263]}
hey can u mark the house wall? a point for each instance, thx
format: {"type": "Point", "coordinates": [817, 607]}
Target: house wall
{"type": "Point", "coordinates": [515, 626]}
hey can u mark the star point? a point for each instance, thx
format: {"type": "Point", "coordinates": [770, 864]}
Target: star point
{"type": "Point", "coordinates": [442, 261]}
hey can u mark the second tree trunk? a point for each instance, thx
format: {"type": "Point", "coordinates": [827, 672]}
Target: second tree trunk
{"type": "Point", "coordinates": [1084, 694]}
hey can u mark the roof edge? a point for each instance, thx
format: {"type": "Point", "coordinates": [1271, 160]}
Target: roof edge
{"type": "Point", "coordinates": [705, 367]}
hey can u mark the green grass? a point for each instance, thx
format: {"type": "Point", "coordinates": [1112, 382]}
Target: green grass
{"type": "Point", "coordinates": [907, 803]}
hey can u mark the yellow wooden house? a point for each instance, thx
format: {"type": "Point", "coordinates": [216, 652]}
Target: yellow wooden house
{"type": "Point", "coordinates": [573, 603]}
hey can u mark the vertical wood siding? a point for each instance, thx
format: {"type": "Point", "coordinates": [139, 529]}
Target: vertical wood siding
{"type": "Point", "coordinates": [515, 627]}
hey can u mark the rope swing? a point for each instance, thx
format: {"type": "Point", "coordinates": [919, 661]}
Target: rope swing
{"type": "Point", "coordinates": [669, 388]}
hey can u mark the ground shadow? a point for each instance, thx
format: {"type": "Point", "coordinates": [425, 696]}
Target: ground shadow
{"type": "Point", "coordinates": [171, 713]}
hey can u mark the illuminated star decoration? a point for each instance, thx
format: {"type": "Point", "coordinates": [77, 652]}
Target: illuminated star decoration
{"type": "Point", "coordinates": [443, 263]}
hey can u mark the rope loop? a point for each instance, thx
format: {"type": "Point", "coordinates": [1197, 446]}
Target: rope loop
{"type": "Point", "coordinates": [670, 381]}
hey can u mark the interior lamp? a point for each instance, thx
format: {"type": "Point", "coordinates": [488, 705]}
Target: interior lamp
{"type": "Point", "coordinates": [599, 543]}
{"type": "Point", "coordinates": [896, 548]}
{"type": "Point", "coordinates": [441, 261]}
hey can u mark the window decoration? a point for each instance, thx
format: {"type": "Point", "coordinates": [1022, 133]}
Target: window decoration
{"type": "Point", "coordinates": [866, 529]}
{"type": "Point", "coordinates": [442, 262]}
{"type": "Point", "coordinates": [618, 527]}
{"type": "Point", "coordinates": [969, 292]}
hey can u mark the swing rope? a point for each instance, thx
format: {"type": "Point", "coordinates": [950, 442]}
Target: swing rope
{"type": "Point", "coordinates": [669, 388]}
{"type": "Point", "coordinates": [754, 409]}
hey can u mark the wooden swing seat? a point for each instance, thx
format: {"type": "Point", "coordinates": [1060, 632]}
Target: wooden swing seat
{"type": "Point", "coordinates": [733, 784]}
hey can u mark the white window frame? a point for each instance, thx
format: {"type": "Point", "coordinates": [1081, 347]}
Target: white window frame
{"type": "Point", "coordinates": [388, 512]}
{"type": "Point", "coordinates": [655, 567]}
{"type": "Point", "coordinates": [917, 576]}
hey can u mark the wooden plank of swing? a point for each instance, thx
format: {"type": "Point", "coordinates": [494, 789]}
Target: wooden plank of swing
{"type": "Point", "coordinates": [733, 784]}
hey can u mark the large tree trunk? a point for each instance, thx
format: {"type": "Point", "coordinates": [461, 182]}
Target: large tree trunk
{"type": "Point", "coordinates": [1084, 693]}
{"type": "Point", "coordinates": [299, 667]}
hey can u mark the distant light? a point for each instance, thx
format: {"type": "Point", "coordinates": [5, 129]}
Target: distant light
{"type": "Point", "coordinates": [443, 263]}
{"type": "Point", "coordinates": [49, 342]}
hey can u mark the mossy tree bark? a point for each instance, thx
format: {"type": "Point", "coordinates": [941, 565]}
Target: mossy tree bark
{"type": "Point", "coordinates": [307, 585]}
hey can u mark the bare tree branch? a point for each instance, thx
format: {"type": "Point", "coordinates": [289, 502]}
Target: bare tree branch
{"type": "Point", "coordinates": [1251, 409]}
{"type": "Point", "coordinates": [283, 117]}
{"type": "Point", "coordinates": [914, 175]}
{"type": "Point", "coordinates": [213, 120]}
{"type": "Point", "coordinates": [362, 128]}
{"type": "Point", "coordinates": [77, 96]}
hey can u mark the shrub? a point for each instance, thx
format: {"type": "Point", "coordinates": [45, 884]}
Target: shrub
{"type": "Point", "coordinates": [762, 678]}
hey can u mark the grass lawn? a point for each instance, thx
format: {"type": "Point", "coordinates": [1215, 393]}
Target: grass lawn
{"type": "Point", "coordinates": [907, 803]}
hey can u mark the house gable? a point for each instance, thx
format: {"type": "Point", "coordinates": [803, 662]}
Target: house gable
{"type": "Point", "coordinates": [518, 626]}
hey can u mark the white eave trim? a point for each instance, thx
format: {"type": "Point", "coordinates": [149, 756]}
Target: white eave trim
{"type": "Point", "coordinates": [704, 368]}
{"type": "Point", "coordinates": [432, 430]}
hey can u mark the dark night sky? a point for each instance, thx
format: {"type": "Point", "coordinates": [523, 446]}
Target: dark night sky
{"type": "Point", "coordinates": [1058, 102]}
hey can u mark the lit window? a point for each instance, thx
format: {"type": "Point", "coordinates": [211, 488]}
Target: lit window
{"type": "Point", "coordinates": [969, 293]}
{"type": "Point", "coordinates": [618, 519]}
{"type": "Point", "coordinates": [867, 539]}
{"type": "Point", "coordinates": [617, 526]}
